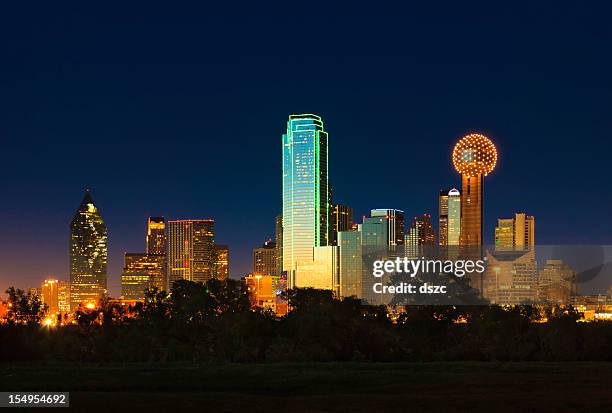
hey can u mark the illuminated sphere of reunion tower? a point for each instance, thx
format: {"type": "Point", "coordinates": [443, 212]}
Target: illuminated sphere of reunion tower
{"type": "Point", "coordinates": [474, 157]}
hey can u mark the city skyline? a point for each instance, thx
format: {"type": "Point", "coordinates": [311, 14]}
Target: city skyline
{"type": "Point", "coordinates": [199, 137]}
{"type": "Point", "coordinates": [152, 222]}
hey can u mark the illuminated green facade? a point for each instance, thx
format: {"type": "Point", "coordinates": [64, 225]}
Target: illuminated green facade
{"type": "Point", "coordinates": [88, 254]}
{"type": "Point", "coordinates": [305, 191]}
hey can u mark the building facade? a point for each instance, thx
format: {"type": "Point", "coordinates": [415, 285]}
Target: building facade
{"type": "Point", "coordinates": [279, 244]}
{"type": "Point", "coordinates": [449, 220]}
{"type": "Point", "coordinates": [222, 262]}
{"type": "Point", "coordinates": [340, 219]}
{"type": "Point", "coordinates": [515, 234]}
{"type": "Point", "coordinates": [305, 192]}
{"type": "Point", "coordinates": [264, 259]}
{"type": "Point", "coordinates": [88, 254]}
{"type": "Point", "coordinates": [140, 272]}
{"type": "Point", "coordinates": [421, 238]}
{"type": "Point", "coordinates": [50, 295]}
{"type": "Point", "coordinates": [156, 236]}
{"type": "Point", "coordinates": [557, 283]}
{"type": "Point", "coordinates": [191, 254]}
{"type": "Point", "coordinates": [395, 222]}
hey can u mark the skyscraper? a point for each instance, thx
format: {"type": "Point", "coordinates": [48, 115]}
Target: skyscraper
{"type": "Point", "coordinates": [88, 254]}
{"type": "Point", "coordinates": [156, 235]}
{"type": "Point", "coordinates": [449, 222]}
{"type": "Point", "coordinates": [305, 191]}
{"type": "Point", "coordinates": [515, 234]}
{"type": "Point", "coordinates": [340, 219]}
{"type": "Point", "coordinates": [443, 219]}
{"type": "Point", "coordinates": [50, 295]}
{"type": "Point", "coordinates": [376, 244]}
{"type": "Point", "coordinates": [157, 245]}
{"type": "Point", "coordinates": [395, 223]}
{"type": "Point", "coordinates": [421, 238]}
{"type": "Point", "coordinates": [221, 262]}
{"type": "Point", "coordinates": [474, 157]}
{"type": "Point", "coordinates": [264, 259]}
{"type": "Point", "coordinates": [63, 296]}
{"type": "Point", "coordinates": [140, 272]}
{"type": "Point", "coordinates": [351, 267]}
{"type": "Point", "coordinates": [190, 250]}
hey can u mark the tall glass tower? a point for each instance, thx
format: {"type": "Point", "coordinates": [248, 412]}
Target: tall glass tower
{"type": "Point", "coordinates": [88, 254]}
{"type": "Point", "coordinates": [305, 191]}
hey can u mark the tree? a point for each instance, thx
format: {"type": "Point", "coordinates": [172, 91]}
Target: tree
{"type": "Point", "coordinates": [24, 308]}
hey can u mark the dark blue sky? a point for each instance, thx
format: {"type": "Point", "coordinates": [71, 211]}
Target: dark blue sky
{"type": "Point", "coordinates": [179, 112]}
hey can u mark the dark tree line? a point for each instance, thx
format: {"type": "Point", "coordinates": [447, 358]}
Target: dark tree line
{"type": "Point", "coordinates": [213, 322]}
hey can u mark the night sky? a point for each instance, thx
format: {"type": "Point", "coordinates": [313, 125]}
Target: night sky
{"type": "Point", "coordinates": [179, 112]}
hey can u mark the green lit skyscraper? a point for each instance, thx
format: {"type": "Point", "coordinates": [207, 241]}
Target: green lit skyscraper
{"type": "Point", "coordinates": [88, 255]}
{"type": "Point", "coordinates": [305, 192]}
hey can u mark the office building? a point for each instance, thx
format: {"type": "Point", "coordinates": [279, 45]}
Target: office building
{"type": "Point", "coordinates": [265, 260]}
{"type": "Point", "coordinates": [191, 254]}
{"type": "Point", "coordinates": [222, 260]}
{"type": "Point", "coordinates": [141, 272]}
{"type": "Point", "coordinates": [421, 238]}
{"type": "Point", "coordinates": [88, 254]}
{"type": "Point", "coordinates": [395, 223]}
{"type": "Point", "coordinates": [557, 283]}
{"type": "Point", "coordinates": [63, 296]}
{"type": "Point", "coordinates": [449, 220]}
{"type": "Point", "coordinates": [511, 278]}
{"type": "Point", "coordinates": [340, 219]}
{"type": "Point", "coordinates": [156, 236]}
{"type": "Point", "coordinates": [515, 234]}
{"type": "Point", "coordinates": [321, 271]}
{"type": "Point", "coordinates": [50, 295]}
{"type": "Point", "coordinates": [305, 192]}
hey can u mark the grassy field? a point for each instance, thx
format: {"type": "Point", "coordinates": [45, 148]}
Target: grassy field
{"type": "Point", "coordinates": [354, 387]}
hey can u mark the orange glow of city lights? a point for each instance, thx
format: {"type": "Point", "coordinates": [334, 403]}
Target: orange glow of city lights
{"type": "Point", "coordinates": [90, 306]}
{"type": "Point", "coordinates": [474, 155]}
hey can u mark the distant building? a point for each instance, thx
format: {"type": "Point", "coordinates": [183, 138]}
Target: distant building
{"type": "Point", "coordinates": [63, 296]}
{"type": "Point", "coordinates": [305, 192]}
{"type": "Point", "coordinates": [156, 236]}
{"type": "Point", "coordinates": [351, 266]}
{"type": "Point", "coordinates": [157, 245]}
{"type": "Point", "coordinates": [376, 244]}
{"type": "Point", "coordinates": [264, 293]}
{"type": "Point", "coordinates": [557, 283]}
{"type": "Point", "coordinates": [88, 254]}
{"type": "Point", "coordinates": [222, 260]}
{"type": "Point", "coordinates": [340, 219]}
{"type": "Point", "coordinates": [264, 259]}
{"type": "Point", "coordinates": [50, 295]}
{"type": "Point", "coordinates": [321, 271]}
{"type": "Point", "coordinates": [515, 234]}
{"type": "Point", "coordinates": [449, 222]}
{"type": "Point", "coordinates": [395, 223]}
{"type": "Point", "coordinates": [36, 291]}
{"type": "Point", "coordinates": [511, 278]}
{"type": "Point", "coordinates": [421, 238]}
{"type": "Point", "coordinates": [191, 254]}
{"type": "Point", "coordinates": [279, 245]}
{"type": "Point", "coordinates": [140, 272]}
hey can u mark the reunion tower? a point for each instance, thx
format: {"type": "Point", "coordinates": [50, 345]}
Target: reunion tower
{"type": "Point", "coordinates": [474, 157]}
